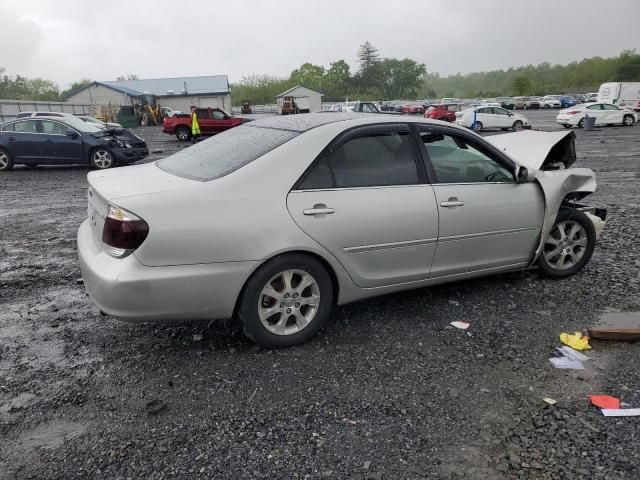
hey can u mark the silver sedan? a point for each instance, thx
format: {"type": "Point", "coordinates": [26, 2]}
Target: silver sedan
{"type": "Point", "coordinates": [275, 222]}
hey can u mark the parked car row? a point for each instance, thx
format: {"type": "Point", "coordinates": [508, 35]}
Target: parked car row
{"type": "Point", "coordinates": [604, 114]}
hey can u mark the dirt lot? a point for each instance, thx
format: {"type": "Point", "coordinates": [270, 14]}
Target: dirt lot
{"type": "Point", "coordinates": [389, 390]}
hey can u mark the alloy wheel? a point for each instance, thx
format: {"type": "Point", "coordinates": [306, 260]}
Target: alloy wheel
{"type": "Point", "coordinates": [4, 160]}
{"type": "Point", "coordinates": [289, 302]}
{"type": "Point", "coordinates": [628, 120]}
{"type": "Point", "coordinates": [565, 245]}
{"type": "Point", "coordinates": [102, 159]}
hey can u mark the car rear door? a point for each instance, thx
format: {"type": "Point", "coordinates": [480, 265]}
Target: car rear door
{"type": "Point", "coordinates": [488, 221]}
{"type": "Point", "coordinates": [597, 112]}
{"type": "Point", "coordinates": [485, 116]}
{"type": "Point", "coordinates": [23, 140]}
{"type": "Point", "coordinates": [365, 199]}
{"type": "Point", "coordinates": [205, 121]}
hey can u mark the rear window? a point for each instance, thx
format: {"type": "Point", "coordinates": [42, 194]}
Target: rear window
{"type": "Point", "coordinates": [225, 153]}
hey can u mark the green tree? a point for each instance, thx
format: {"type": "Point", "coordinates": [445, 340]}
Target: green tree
{"type": "Point", "coordinates": [75, 88]}
{"type": "Point", "coordinates": [369, 76]}
{"type": "Point", "coordinates": [337, 81]}
{"type": "Point", "coordinates": [401, 78]}
{"type": "Point", "coordinates": [308, 75]}
{"type": "Point", "coordinates": [628, 68]}
{"type": "Point", "coordinates": [128, 76]}
{"type": "Point", "coordinates": [522, 85]}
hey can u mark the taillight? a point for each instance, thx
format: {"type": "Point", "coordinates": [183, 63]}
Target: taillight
{"type": "Point", "coordinates": [123, 232]}
{"type": "Point", "coordinates": [573, 112]}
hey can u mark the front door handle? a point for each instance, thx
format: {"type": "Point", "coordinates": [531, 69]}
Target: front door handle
{"type": "Point", "coordinates": [319, 209]}
{"type": "Point", "coordinates": [11, 139]}
{"type": "Point", "coordinates": [452, 202]}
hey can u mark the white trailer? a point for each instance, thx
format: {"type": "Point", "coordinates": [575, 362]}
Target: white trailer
{"type": "Point", "coordinates": [623, 94]}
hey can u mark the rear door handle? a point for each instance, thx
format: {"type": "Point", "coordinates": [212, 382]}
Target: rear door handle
{"type": "Point", "coordinates": [452, 202]}
{"type": "Point", "coordinates": [319, 209]}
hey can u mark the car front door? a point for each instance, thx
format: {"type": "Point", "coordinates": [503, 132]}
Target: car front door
{"type": "Point", "coordinates": [365, 200]}
{"type": "Point", "coordinates": [502, 117]}
{"type": "Point", "coordinates": [222, 121]}
{"type": "Point", "coordinates": [488, 221]}
{"type": "Point", "coordinates": [204, 121]}
{"type": "Point", "coordinates": [612, 113]}
{"type": "Point", "coordinates": [59, 146]}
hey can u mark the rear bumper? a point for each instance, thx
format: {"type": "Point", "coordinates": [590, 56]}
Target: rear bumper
{"type": "Point", "coordinates": [128, 290]}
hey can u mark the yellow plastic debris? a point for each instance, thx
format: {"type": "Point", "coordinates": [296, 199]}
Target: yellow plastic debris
{"type": "Point", "coordinates": [576, 341]}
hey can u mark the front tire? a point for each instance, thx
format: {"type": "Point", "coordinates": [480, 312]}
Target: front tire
{"type": "Point", "coordinates": [628, 120]}
{"type": "Point", "coordinates": [287, 301]}
{"type": "Point", "coordinates": [517, 126]}
{"type": "Point", "coordinates": [183, 134]}
{"type": "Point", "coordinates": [569, 246]}
{"type": "Point", "coordinates": [566, 125]}
{"type": "Point", "coordinates": [102, 158]}
{"type": "Point", "coordinates": [6, 162]}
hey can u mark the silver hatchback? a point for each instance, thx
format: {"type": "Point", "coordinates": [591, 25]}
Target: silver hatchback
{"type": "Point", "coordinates": [277, 221]}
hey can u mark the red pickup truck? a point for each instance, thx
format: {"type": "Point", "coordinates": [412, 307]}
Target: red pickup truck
{"type": "Point", "coordinates": [210, 121]}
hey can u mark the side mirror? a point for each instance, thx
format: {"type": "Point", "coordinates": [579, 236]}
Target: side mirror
{"type": "Point", "coordinates": [523, 175]}
{"type": "Point", "coordinates": [71, 133]}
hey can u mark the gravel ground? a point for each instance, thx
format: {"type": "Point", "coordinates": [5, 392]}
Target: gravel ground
{"type": "Point", "coordinates": [387, 391]}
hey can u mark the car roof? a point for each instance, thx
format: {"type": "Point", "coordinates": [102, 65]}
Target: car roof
{"type": "Point", "coordinates": [307, 121]}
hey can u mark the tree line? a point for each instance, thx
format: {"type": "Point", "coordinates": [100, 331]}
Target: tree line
{"type": "Point", "coordinates": [378, 78]}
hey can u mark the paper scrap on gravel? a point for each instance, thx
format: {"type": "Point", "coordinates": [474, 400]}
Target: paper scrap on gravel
{"type": "Point", "coordinates": [621, 412]}
{"type": "Point", "coordinates": [460, 325]}
{"type": "Point", "coordinates": [567, 363]}
{"type": "Point", "coordinates": [571, 353]}
{"type": "Point", "coordinates": [605, 401]}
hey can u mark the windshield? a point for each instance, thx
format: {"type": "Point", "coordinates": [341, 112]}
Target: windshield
{"type": "Point", "coordinates": [225, 153]}
{"type": "Point", "coordinates": [81, 125]}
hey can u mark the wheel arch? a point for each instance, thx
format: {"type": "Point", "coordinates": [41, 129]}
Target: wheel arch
{"type": "Point", "coordinates": [331, 270]}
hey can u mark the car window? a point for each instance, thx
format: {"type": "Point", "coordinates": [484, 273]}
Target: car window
{"type": "Point", "coordinates": [608, 106]}
{"type": "Point", "coordinates": [456, 159]}
{"type": "Point", "coordinates": [318, 177]}
{"type": "Point", "coordinates": [375, 159]}
{"type": "Point", "coordinates": [500, 111]}
{"type": "Point", "coordinates": [53, 128]}
{"type": "Point", "coordinates": [28, 126]}
{"type": "Point", "coordinates": [225, 153]}
{"type": "Point", "coordinates": [594, 107]}
{"type": "Point", "coordinates": [23, 115]}
{"type": "Point", "coordinates": [484, 110]}
{"type": "Point", "coordinates": [218, 115]}
{"type": "Point", "coordinates": [367, 108]}
{"type": "Point", "coordinates": [47, 114]}
{"type": "Point", "coordinates": [202, 114]}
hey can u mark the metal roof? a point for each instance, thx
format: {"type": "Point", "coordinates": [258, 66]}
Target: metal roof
{"type": "Point", "coordinates": [302, 89]}
{"type": "Point", "coordinates": [212, 84]}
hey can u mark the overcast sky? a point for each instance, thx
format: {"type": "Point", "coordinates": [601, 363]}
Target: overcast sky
{"type": "Point", "coordinates": [66, 40]}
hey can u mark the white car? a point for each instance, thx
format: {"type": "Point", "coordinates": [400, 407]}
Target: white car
{"type": "Point", "coordinates": [552, 101]}
{"type": "Point", "coordinates": [490, 102]}
{"type": "Point", "coordinates": [276, 221]}
{"type": "Point", "coordinates": [604, 113]}
{"type": "Point", "coordinates": [541, 101]}
{"type": "Point", "coordinates": [490, 117]}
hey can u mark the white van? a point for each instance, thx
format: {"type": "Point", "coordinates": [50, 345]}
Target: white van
{"type": "Point", "coordinates": [625, 94]}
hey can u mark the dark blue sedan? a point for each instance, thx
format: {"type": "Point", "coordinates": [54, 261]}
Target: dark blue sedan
{"type": "Point", "coordinates": [64, 141]}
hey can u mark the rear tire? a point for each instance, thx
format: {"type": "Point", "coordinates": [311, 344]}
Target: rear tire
{"type": "Point", "coordinates": [183, 134]}
{"type": "Point", "coordinates": [628, 120]}
{"type": "Point", "coordinates": [6, 162]}
{"type": "Point", "coordinates": [569, 246]}
{"type": "Point", "coordinates": [566, 125]}
{"type": "Point", "coordinates": [286, 301]}
{"type": "Point", "coordinates": [581, 123]}
{"type": "Point", "coordinates": [477, 127]}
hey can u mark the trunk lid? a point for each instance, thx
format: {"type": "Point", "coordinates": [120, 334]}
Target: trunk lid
{"type": "Point", "coordinates": [114, 184]}
{"type": "Point", "coordinates": [538, 150]}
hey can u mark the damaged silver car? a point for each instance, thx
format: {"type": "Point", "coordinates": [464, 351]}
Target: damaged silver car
{"type": "Point", "coordinates": [275, 222]}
